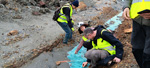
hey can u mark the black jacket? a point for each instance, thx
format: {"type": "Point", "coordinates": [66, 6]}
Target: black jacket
{"type": "Point", "coordinates": [66, 11]}
{"type": "Point", "coordinates": [108, 36]}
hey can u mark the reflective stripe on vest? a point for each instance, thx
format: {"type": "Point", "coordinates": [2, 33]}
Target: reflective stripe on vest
{"type": "Point", "coordinates": [63, 18]}
{"type": "Point", "coordinates": [104, 45]}
{"type": "Point", "coordinates": [85, 39]}
{"type": "Point", "coordinates": [137, 6]}
{"type": "Point", "coordinates": [103, 30]}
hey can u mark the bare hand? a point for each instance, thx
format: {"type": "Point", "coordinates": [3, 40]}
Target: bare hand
{"type": "Point", "coordinates": [145, 15]}
{"type": "Point", "coordinates": [126, 13]}
{"type": "Point", "coordinates": [117, 60]}
{"type": "Point", "coordinates": [84, 64]}
{"type": "Point", "coordinates": [76, 52]}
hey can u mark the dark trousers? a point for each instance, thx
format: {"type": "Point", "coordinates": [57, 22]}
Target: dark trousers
{"type": "Point", "coordinates": [140, 41]}
{"type": "Point", "coordinates": [102, 62]}
{"type": "Point", "coordinates": [68, 31]}
{"type": "Point", "coordinates": [142, 59]}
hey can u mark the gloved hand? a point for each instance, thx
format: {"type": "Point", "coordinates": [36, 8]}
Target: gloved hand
{"type": "Point", "coordinates": [70, 25]}
{"type": "Point", "coordinates": [72, 29]}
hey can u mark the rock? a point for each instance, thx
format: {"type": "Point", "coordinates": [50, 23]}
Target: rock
{"type": "Point", "coordinates": [115, 1]}
{"type": "Point", "coordinates": [4, 2]}
{"type": "Point", "coordinates": [42, 11]}
{"type": "Point", "coordinates": [42, 3]}
{"type": "Point", "coordinates": [16, 9]}
{"type": "Point", "coordinates": [128, 30]}
{"type": "Point", "coordinates": [2, 6]}
{"type": "Point", "coordinates": [47, 10]}
{"type": "Point", "coordinates": [58, 63]}
{"type": "Point", "coordinates": [33, 2]}
{"type": "Point", "coordinates": [82, 6]}
{"type": "Point", "coordinates": [13, 32]}
{"type": "Point", "coordinates": [36, 13]}
{"type": "Point", "coordinates": [17, 17]}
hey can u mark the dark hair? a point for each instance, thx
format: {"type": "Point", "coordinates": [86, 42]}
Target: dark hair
{"type": "Point", "coordinates": [86, 25]}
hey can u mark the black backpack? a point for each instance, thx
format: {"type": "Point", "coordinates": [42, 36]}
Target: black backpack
{"type": "Point", "coordinates": [56, 14]}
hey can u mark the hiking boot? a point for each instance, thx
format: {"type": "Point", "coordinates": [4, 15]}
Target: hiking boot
{"type": "Point", "coordinates": [64, 42]}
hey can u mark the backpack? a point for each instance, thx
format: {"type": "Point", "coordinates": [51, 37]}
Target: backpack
{"type": "Point", "coordinates": [56, 14]}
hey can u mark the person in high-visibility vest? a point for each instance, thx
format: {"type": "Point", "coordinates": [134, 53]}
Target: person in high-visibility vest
{"type": "Point", "coordinates": [65, 19]}
{"type": "Point", "coordinates": [84, 41]}
{"type": "Point", "coordinates": [104, 45]}
{"type": "Point", "coordinates": [139, 12]}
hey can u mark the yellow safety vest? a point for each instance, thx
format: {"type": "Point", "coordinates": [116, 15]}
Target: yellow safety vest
{"type": "Point", "coordinates": [63, 18]}
{"type": "Point", "coordinates": [137, 6]}
{"type": "Point", "coordinates": [104, 45]}
{"type": "Point", "coordinates": [85, 39]}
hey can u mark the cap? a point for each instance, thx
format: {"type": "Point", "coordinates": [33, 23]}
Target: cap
{"type": "Point", "coordinates": [76, 3]}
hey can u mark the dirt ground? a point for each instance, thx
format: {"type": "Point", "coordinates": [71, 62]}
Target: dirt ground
{"type": "Point", "coordinates": [99, 18]}
{"type": "Point", "coordinates": [37, 30]}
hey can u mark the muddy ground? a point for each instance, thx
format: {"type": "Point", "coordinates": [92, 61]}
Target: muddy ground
{"type": "Point", "coordinates": [36, 34]}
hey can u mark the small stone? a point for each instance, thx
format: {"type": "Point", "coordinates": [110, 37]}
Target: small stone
{"type": "Point", "coordinates": [17, 17]}
{"type": "Point", "coordinates": [42, 3]}
{"type": "Point", "coordinates": [15, 52]}
{"type": "Point", "coordinates": [47, 10]}
{"type": "Point", "coordinates": [58, 63]}
{"type": "Point", "coordinates": [13, 32]}
{"type": "Point", "coordinates": [2, 6]}
{"type": "Point", "coordinates": [36, 13]}
{"type": "Point", "coordinates": [42, 11]}
{"type": "Point", "coordinates": [128, 30]}
{"type": "Point", "coordinates": [17, 46]}
{"type": "Point", "coordinates": [33, 2]}
{"type": "Point", "coordinates": [4, 2]}
{"type": "Point", "coordinates": [115, 1]}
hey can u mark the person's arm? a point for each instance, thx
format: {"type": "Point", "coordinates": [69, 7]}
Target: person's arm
{"type": "Point", "coordinates": [79, 47]}
{"type": "Point", "coordinates": [66, 11]}
{"type": "Point", "coordinates": [112, 40]}
{"type": "Point", "coordinates": [126, 9]}
{"type": "Point", "coordinates": [127, 4]}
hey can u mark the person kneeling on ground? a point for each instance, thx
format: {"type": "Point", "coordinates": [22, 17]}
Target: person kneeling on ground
{"type": "Point", "coordinates": [84, 41]}
{"type": "Point", "coordinates": [104, 45]}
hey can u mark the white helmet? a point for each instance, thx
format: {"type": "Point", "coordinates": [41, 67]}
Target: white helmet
{"type": "Point", "coordinates": [80, 23]}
